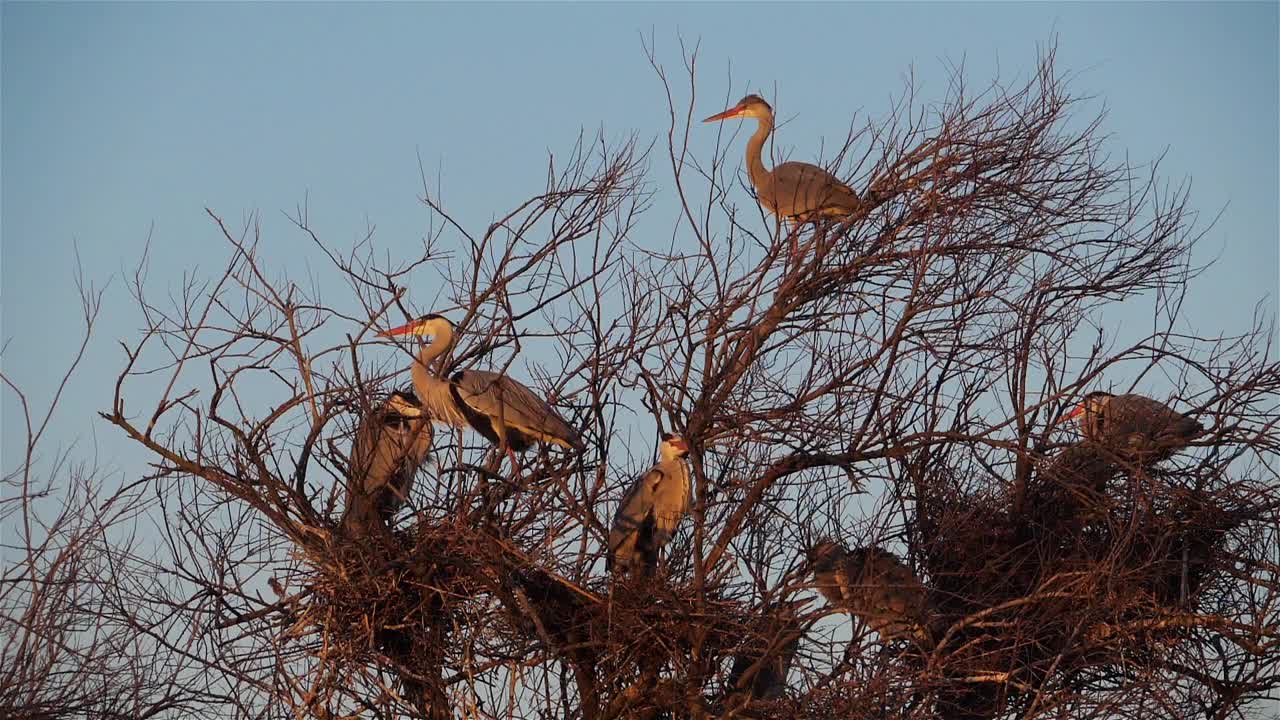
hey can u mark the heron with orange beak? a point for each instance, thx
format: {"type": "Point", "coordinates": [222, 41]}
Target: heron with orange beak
{"type": "Point", "coordinates": [504, 411]}
{"type": "Point", "coordinates": [1134, 424]}
{"type": "Point", "coordinates": [796, 191]}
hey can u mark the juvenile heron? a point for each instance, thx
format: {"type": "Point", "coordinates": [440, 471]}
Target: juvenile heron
{"type": "Point", "coordinates": [874, 585]}
{"type": "Point", "coordinates": [390, 443]}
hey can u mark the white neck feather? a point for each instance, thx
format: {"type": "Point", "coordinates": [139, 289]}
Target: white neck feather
{"type": "Point", "coordinates": [432, 389]}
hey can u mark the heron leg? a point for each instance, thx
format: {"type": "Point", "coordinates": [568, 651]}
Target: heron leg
{"type": "Point", "coordinates": [515, 464]}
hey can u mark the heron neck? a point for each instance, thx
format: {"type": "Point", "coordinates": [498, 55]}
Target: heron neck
{"type": "Point", "coordinates": [421, 371]}
{"type": "Point", "coordinates": [755, 147]}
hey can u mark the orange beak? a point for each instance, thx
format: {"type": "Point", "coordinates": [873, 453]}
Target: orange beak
{"type": "Point", "coordinates": [1074, 413]}
{"type": "Point", "coordinates": [732, 112]}
{"type": "Point", "coordinates": [404, 329]}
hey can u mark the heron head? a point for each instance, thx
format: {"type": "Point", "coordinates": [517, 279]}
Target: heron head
{"type": "Point", "coordinates": [673, 446]}
{"type": "Point", "coordinates": [426, 326]}
{"type": "Point", "coordinates": [1093, 406]}
{"type": "Point", "coordinates": [824, 554]}
{"type": "Point", "coordinates": [752, 106]}
{"type": "Point", "coordinates": [404, 403]}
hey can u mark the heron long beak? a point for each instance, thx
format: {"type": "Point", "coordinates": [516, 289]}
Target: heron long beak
{"type": "Point", "coordinates": [404, 329]}
{"type": "Point", "coordinates": [732, 112]}
{"type": "Point", "coordinates": [1073, 414]}
{"type": "Point", "coordinates": [405, 409]}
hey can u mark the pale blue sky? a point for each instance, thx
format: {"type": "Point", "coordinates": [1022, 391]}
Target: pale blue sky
{"type": "Point", "coordinates": [120, 118]}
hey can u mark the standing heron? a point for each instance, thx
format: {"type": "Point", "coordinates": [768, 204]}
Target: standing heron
{"type": "Point", "coordinates": [1134, 426]}
{"type": "Point", "coordinates": [796, 191]}
{"type": "Point", "coordinates": [874, 585]}
{"type": "Point", "coordinates": [391, 442]}
{"type": "Point", "coordinates": [652, 508]}
{"type": "Point", "coordinates": [505, 412]}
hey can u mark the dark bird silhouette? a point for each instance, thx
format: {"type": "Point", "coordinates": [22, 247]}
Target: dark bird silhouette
{"type": "Point", "coordinates": [651, 510]}
{"type": "Point", "coordinates": [391, 442]}
{"type": "Point", "coordinates": [1071, 486]}
{"type": "Point", "coordinates": [760, 668]}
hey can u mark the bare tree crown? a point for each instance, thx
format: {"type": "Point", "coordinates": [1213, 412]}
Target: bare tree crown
{"type": "Point", "coordinates": [873, 497]}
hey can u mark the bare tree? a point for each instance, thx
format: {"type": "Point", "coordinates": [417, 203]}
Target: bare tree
{"type": "Point", "coordinates": [895, 380]}
{"type": "Point", "coordinates": [73, 642]}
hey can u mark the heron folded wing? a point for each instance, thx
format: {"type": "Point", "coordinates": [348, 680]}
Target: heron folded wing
{"type": "Point", "coordinates": [887, 595]}
{"type": "Point", "coordinates": [633, 512]}
{"type": "Point", "coordinates": [1127, 414]}
{"type": "Point", "coordinates": [498, 396]}
{"type": "Point", "coordinates": [385, 456]}
{"type": "Point", "coordinates": [374, 454]}
{"type": "Point", "coordinates": [802, 189]}
{"type": "Point", "coordinates": [389, 457]}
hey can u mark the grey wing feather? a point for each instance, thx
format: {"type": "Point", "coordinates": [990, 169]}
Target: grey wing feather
{"type": "Point", "coordinates": [384, 459]}
{"type": "Point", "coordinates": [805, 188]}
{"type": "Point", "coordinates": [1136, 413]}
{"type": "Point", "coordinates": [888, 596]}
{"type": "Point", "coordinates": [498, 396]}
{"type": "Point", "coordinates": [1137, 418]}
{"type": "Point", "coordinates": [384, 454]}
{"type": "Point", "coordinates": [632, 512]}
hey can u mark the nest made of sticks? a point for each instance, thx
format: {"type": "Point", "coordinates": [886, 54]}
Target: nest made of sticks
{"type": "Point", "coordinates": [1104, 568]}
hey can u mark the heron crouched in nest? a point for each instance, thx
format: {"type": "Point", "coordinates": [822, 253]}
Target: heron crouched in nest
{"type": "Point", "coordinates": [1118, 431]}
{"type": "Point", "coordinates": [391, 442]}
{"type": "Point", "coordinates": [874, 585]}
{"type": "Point", "coordinates": [1136, 428]}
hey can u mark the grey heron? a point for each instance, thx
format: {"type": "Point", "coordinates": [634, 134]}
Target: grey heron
{"type": "Point", "coordinates": [504, 411]}
{"type": "Point", "coordinates": [1134, 425]}
{"type": "Point", "coordinates": [796, 191]}
{"type": "Point", "coordinates": [651, 510]}
{"type": "Point", "coordinates": [391, 441]}
{"type": "Point", "coordinates": [873, 584]}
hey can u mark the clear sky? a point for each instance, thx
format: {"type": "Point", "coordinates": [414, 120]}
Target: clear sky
{"type": "Point", "coordinates": [120, 120]}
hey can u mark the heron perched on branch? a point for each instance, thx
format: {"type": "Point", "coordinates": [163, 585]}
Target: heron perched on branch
{"type": "Point", "coordinates": [390, 443]}
{"type": "Point", "coordinates": [652, 508]}
{"type": "Point", "coordinates": [508, 414]}
{"type": "Point", "coordinates": [796, 191]}
{"type": "Point", "coordinates": [874, 585]}
{"type": "Point", "coordinates": [1134, 426]}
